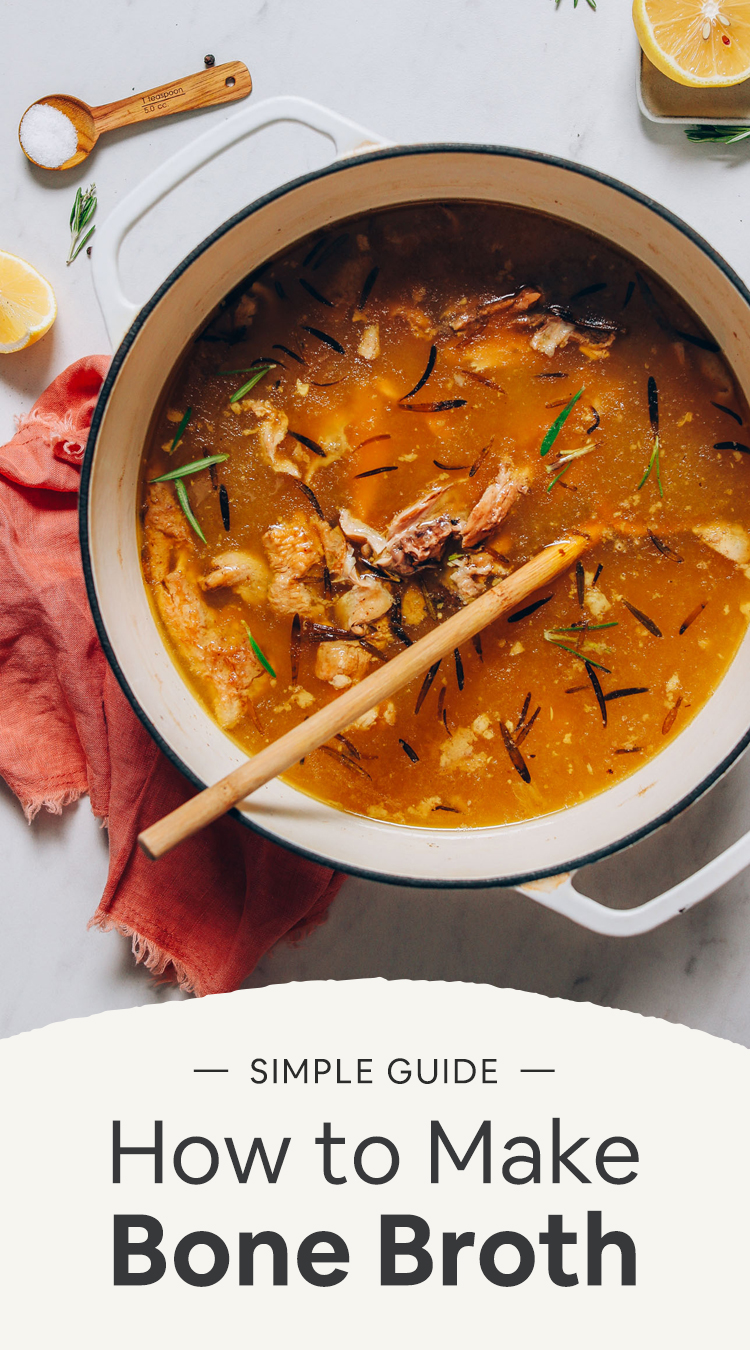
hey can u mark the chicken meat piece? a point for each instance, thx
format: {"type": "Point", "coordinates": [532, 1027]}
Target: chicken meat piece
{"type": "Point", "coordinates": [293, 549]}
{"type": "Point", "coordinates": [471, 573]}
{"type": "Point", "coordinates": [553, 334]}
{"type": "Point", "coordinates": [491, 509]}
{"type": "Point", "coordinates": [420, 324]}
{"type": "Point", "coordinates": [370, 541]}
{"type": "Point", "coordinates": [213, 645]}
{"type": "Point", "coordinates": [413, 539]}
{"type": "Point", "coordinates": [366, 602]}
{"type": "Point", "coordinates": [288, 595]}
{"type": "Point", "coordinates": [341, 663]}
{"type": "Point", "coordinates": [166, 531]}
{"type": "Point", "coordinates": [369, 344]}
{"type": "Point", "coordinates": [416, 546]}
{"type": "Point", "coordinates": [335, 548]}
{"type": "Point", "coordinates": [274, 425]}
{"type": "Point", "coordinates": [729, 539]}
{"type": "Point", "coordinates": [556, 333]}
{"type": "Point", "coordinates": [244, 572]}
{"type": "Point", "coordinates": [418, 511]}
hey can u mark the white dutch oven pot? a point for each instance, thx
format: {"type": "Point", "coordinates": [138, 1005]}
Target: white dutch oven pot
{"type": "Point", "coordinates": [542, 853]}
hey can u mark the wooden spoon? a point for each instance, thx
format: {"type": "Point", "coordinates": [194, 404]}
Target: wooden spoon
{"type": "Point", "coordinates": [219, 84]}
{"type": "Point", "coordinates": [276, 758]}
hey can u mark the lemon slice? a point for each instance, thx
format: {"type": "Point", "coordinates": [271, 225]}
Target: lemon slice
{"type": "Point", "coordinates": [703, 43]}
{"type": "Point", "coordinates": [27, 304]}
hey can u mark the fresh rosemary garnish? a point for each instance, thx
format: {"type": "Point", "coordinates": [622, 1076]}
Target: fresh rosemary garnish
{"type": "Point", "coordinates": [180, 430]}
{"type": "Point", "coordinates": [591, 4]}
{"type": "Point", "coordinates": [653, 413]}
{"type": "Point", "coordinates": [551, 434]}
{"type": "Point", "coordinates": [188, 469]}
{"type": "Point", "coordinates": [251, 383]}
{"type": "Point", "coordinates": [566, 460]}
{"type": "Point", "coordinates": [724, 135]}
{"type": "Point", "coordinates": [182, 498]}
{"type": "Point", "coordinates": [84, 207]}
{"type": "Point", "coordinates": [580, 656]}
{"type": "Point", "coordinates": [266, 664]}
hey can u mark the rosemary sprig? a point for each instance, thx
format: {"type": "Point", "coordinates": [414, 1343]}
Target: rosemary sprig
{"type": "Point", "coordinates": [188, 469]}
{"type": "Point", "coordinates": [722, 135]}
{"type": "Point", "coordinates": [552, 432]}
{"type": "Point", "coordinates": [653, 463]}
{"type": "Point", "coordinates": [181, 428]}
{"type": "Point", "coordinates": [266, 664]}
{"type": "Point", "coordinates": [565, 461]}
{"type": "Point", "coordinates": [653, 413]}
{"type": "Point", "coordinates": [251, 383]}
{"type": "Point", "coordinates": [591, 4]}
{"type": "Point", "coordinates": [549, 636]}
{"type": "Point", "coordinates": [84, 207]}
{"type": "Point", "coordinates": [182, 498]}
{"type": "Point", "coordinates": [584, 627]}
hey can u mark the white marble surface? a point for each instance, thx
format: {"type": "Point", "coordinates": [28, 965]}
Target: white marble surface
{"type": "Point", "coordinates": [517, 72]}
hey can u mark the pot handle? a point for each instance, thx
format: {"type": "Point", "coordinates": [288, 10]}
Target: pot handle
{"type": "Point", "coordinates": [119, 312]}
{"type": "Point", "coordinates": [559, 894]}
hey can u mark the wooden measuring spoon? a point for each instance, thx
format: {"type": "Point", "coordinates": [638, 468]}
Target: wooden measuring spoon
{"type": "Point", "coordinates": [218, 84]}
{"type": "Point", "coordinates": [276, 758]}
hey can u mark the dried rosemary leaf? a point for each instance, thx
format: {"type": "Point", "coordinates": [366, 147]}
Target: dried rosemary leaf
{"type": "Point", "coordinates": [370, 280]}
{"type": "Point", "coordinates": [310, 497]}
{"type": "Point", "coordinates": [426, 685]}
{"type": "Point", "coordinates": [671, 718]}
{"type": "Point", "coordinates": [514, 754]}
{"type": "Point", "coordinates": [442, 406]}
{"type": "Point", "coordinates": [526, 728]}
{"type": "Point", "coordinates": [643, 619]}
{"type": "Point", "coordinates": [459, 668]}
{"type": "Point", "coordinates": [295, 647]}
{"type": "Point", "coordinates": [315, 293]}
{"type": "Point", "coordinates": [324, 337]}
{"type": "Point", "coordinates": [623, 693]}
{"type": "Point", "coordinates": [692, 616]}
{"type": "Point", "coordinates": [594, 678]}
{"type": "Point", "coordinates": [529, 609]}
{"type": "Point", "coordinates": [421, 382]}
{"type": "Point", "coordinates": [580, 583]}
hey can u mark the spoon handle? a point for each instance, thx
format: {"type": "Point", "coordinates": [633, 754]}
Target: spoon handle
{"type": "Point", "coordinates": [219, 84]}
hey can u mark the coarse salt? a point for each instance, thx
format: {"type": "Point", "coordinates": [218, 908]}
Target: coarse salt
{"type": "Point", "coordinates": [48, 136]}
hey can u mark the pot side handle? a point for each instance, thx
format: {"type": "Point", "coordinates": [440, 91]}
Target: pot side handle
{"type": "Point", "coordinates": [559, 894]}
{"type": "Point", "coordinates": [118, 310]}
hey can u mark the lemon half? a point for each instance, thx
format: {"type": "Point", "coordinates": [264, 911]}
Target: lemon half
{"type": "Point", "coordinates": [703, 43]}
{"type": "Point", "coordinates": [27, 304]}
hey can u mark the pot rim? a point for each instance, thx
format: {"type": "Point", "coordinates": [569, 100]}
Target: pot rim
{"type": "Point", "coordinates": [339, 166]}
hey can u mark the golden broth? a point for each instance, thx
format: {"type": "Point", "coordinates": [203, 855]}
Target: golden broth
{"type": "Point", "coordinates": [449, 764]}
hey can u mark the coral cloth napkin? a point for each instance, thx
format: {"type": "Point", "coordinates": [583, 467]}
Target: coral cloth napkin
{"type": "Point", "coordinates": [206, 914]}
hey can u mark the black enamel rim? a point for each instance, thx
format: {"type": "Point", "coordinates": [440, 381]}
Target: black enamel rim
{"type": "Point", "coordinates": [397, 152]}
